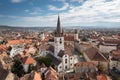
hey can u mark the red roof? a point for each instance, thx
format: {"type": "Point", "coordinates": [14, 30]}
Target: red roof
{"type": "Point", "coordinates": [101, 77]}
{"type": "Point", "coordinates": [69, 38]}
{"type": "Point", "coordinates": [28, 60]}
{"type": "Point", "coordinates": [37, 76]}
{"type": "Point", "coordinates": [3, 47]}
{"type": "Point", "coordinates": [95, 55]}
{"type": "Point", "coordinates": [51, 74]}
{"type": "Point", "coordinates": [12, 42]}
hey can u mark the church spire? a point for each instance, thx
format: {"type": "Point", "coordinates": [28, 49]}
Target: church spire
{"type": "Point", "coordinates": [58, 32]}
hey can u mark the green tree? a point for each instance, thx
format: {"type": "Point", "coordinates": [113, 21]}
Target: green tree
{"type": "Point", "coordinates": [36, 52]}
{"type": "Point", "coordinates": [46, 60]}
{"type": "Point", "coordinates": [100, 68]}
{"type": "Point", "coordinates": [84, 38]}
{"type": "Point", "coordinates": [17, 68]}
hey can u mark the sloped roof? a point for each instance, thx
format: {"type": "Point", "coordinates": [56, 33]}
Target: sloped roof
{"type": "Point", "coordinates": [94, 54]}
{"type": "Point", "coordinates": [51, 74]}
{"type": "Point", "coordinates": [51, 48]}
{"type": "Point", "coordinates": [58, 32]}
{"type": "Point", "coordinates": [54, 59]}
{"type": "Point", "coordinates": [3, 73]}
{"type": "Point", "coordinates": [37, 76]}
{"type": "Point", "coordinates": [115, 55]}
{"type": "Point", "coordinates": [61, 53]}
{"type": "Point", "coordinates": [101, 77]}
{"type": "Point", "coordinates": [69, 38]}
{"type": "Point", "coordinates": [12, 42]}
{"type": "Point", "coordinates": [3, 47]}
{"type": "Point", "coordinates": [28, 60]}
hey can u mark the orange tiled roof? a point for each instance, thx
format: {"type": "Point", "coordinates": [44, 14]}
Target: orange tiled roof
{"type": "Point", "coordinates": [51, 74]}
{"type": "Point", "coordinates": [69, 38]}
{"type": "Point", "coordinates": [12, 42]}
{"type": "Point", "coordinates": [37, 76]}
{"type": "Point", "coordinates": [28, 60]}
{"type": "Point", "coordinates": [101, 77]}
{"type": "Point", "coordinates": [95, 55]}
{"type": "Point", "coordinates": [94, 36]}
{"type": "Point", "coordinates": [3, 47]}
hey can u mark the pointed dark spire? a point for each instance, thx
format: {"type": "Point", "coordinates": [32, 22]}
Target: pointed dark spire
{"type": "Point", "coordinates": [76, 31]}
{"type": "Point", "coordinates": [58, 32]}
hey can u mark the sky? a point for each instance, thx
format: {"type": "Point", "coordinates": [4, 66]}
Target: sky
{"type": "Point", "coordinates": [28, 13]}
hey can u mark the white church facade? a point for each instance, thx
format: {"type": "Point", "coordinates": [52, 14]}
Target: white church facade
{"type": "Point", "coordinates": [63, 60]}
{"type": "Point", "coordinates": [67, 61]}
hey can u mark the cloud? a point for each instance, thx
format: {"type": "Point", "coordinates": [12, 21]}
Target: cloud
{"type": "Point", "coordinates": [91, 12]}
{"type": "Point", "coordinates": [77, 1]}
{"type": "Point", "coordinates": [54, 8]}
{"type": "Point", "coordinates": [60, 0]}
{"type": "Point", "coordinates": [16, 1]}
{"type": "Point", "coordinates": [34, 11]}
{"type": "Point", "coordinates": [26, 10]}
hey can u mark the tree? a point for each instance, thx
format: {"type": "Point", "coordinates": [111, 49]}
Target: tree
{"type": "Point", "coordinates": [31, 67]}
{"type": "Point", "coordinates": [46, 60]}
{"type": "Point", "coordinates": [84, 38]}
{"type": "Point", "coordinates": [17, 68]}
{"type": "Point", "coordinates": [36, 52]}
{"type": "Point", "coordinates": [100, 68]}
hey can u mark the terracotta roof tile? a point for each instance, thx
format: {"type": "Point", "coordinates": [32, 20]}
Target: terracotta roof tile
{"type": "Point", "coordinates": [51, 74]}
{"type": "Point", "coordinates": [28, 60]}
{"type": "Point", "coordinates": [37, 76]}
{"type": "Point", "coordinates": [94, 54]}
{"type": "Point", "coordinates": [3, 47]}
{"type": "Point", "coordinates": [12, 42]}
{"type": "Point", "coordinates": [101, 77]}
{"type": "Point", "coordinates": [69, 38]}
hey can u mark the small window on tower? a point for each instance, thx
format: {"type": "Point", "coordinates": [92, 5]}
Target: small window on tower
{"type": "Point", "coordinates": [60, 41]}
{"type": "Point", "coordinates": [66, 61]}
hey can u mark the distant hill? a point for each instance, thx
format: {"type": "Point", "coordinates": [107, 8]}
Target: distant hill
{"type": "Point", "coordinates": [26, 28]}
{"type": "Point", "coordinates": [53, 28]}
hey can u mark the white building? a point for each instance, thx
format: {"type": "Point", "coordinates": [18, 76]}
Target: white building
{"type": "Point", "coordinates": [16, 49]}
{"type": "Point", "coordinates": [28, 61]}
{"type": "Point", "coordinates": [107, 47]}
{"type": "Point", "coordinates": [62, 57]}
{"type": "Point", "coordinates": [32, 50]}
{"type": "Point", "coordinates": [115, 59]}
{"type": "Point", "coordinates": [85, 67]}
{"type": "Point", "coordinates": [42, 36]}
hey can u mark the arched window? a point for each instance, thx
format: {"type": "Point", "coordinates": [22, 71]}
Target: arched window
{"type": "Point", "coordinates": [60, 41]}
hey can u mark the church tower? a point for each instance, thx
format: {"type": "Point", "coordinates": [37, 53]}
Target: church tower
{"type": "Point", "coordinates": [76, 35]}
{"type": "Point", "coordinates": [58, 39]}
